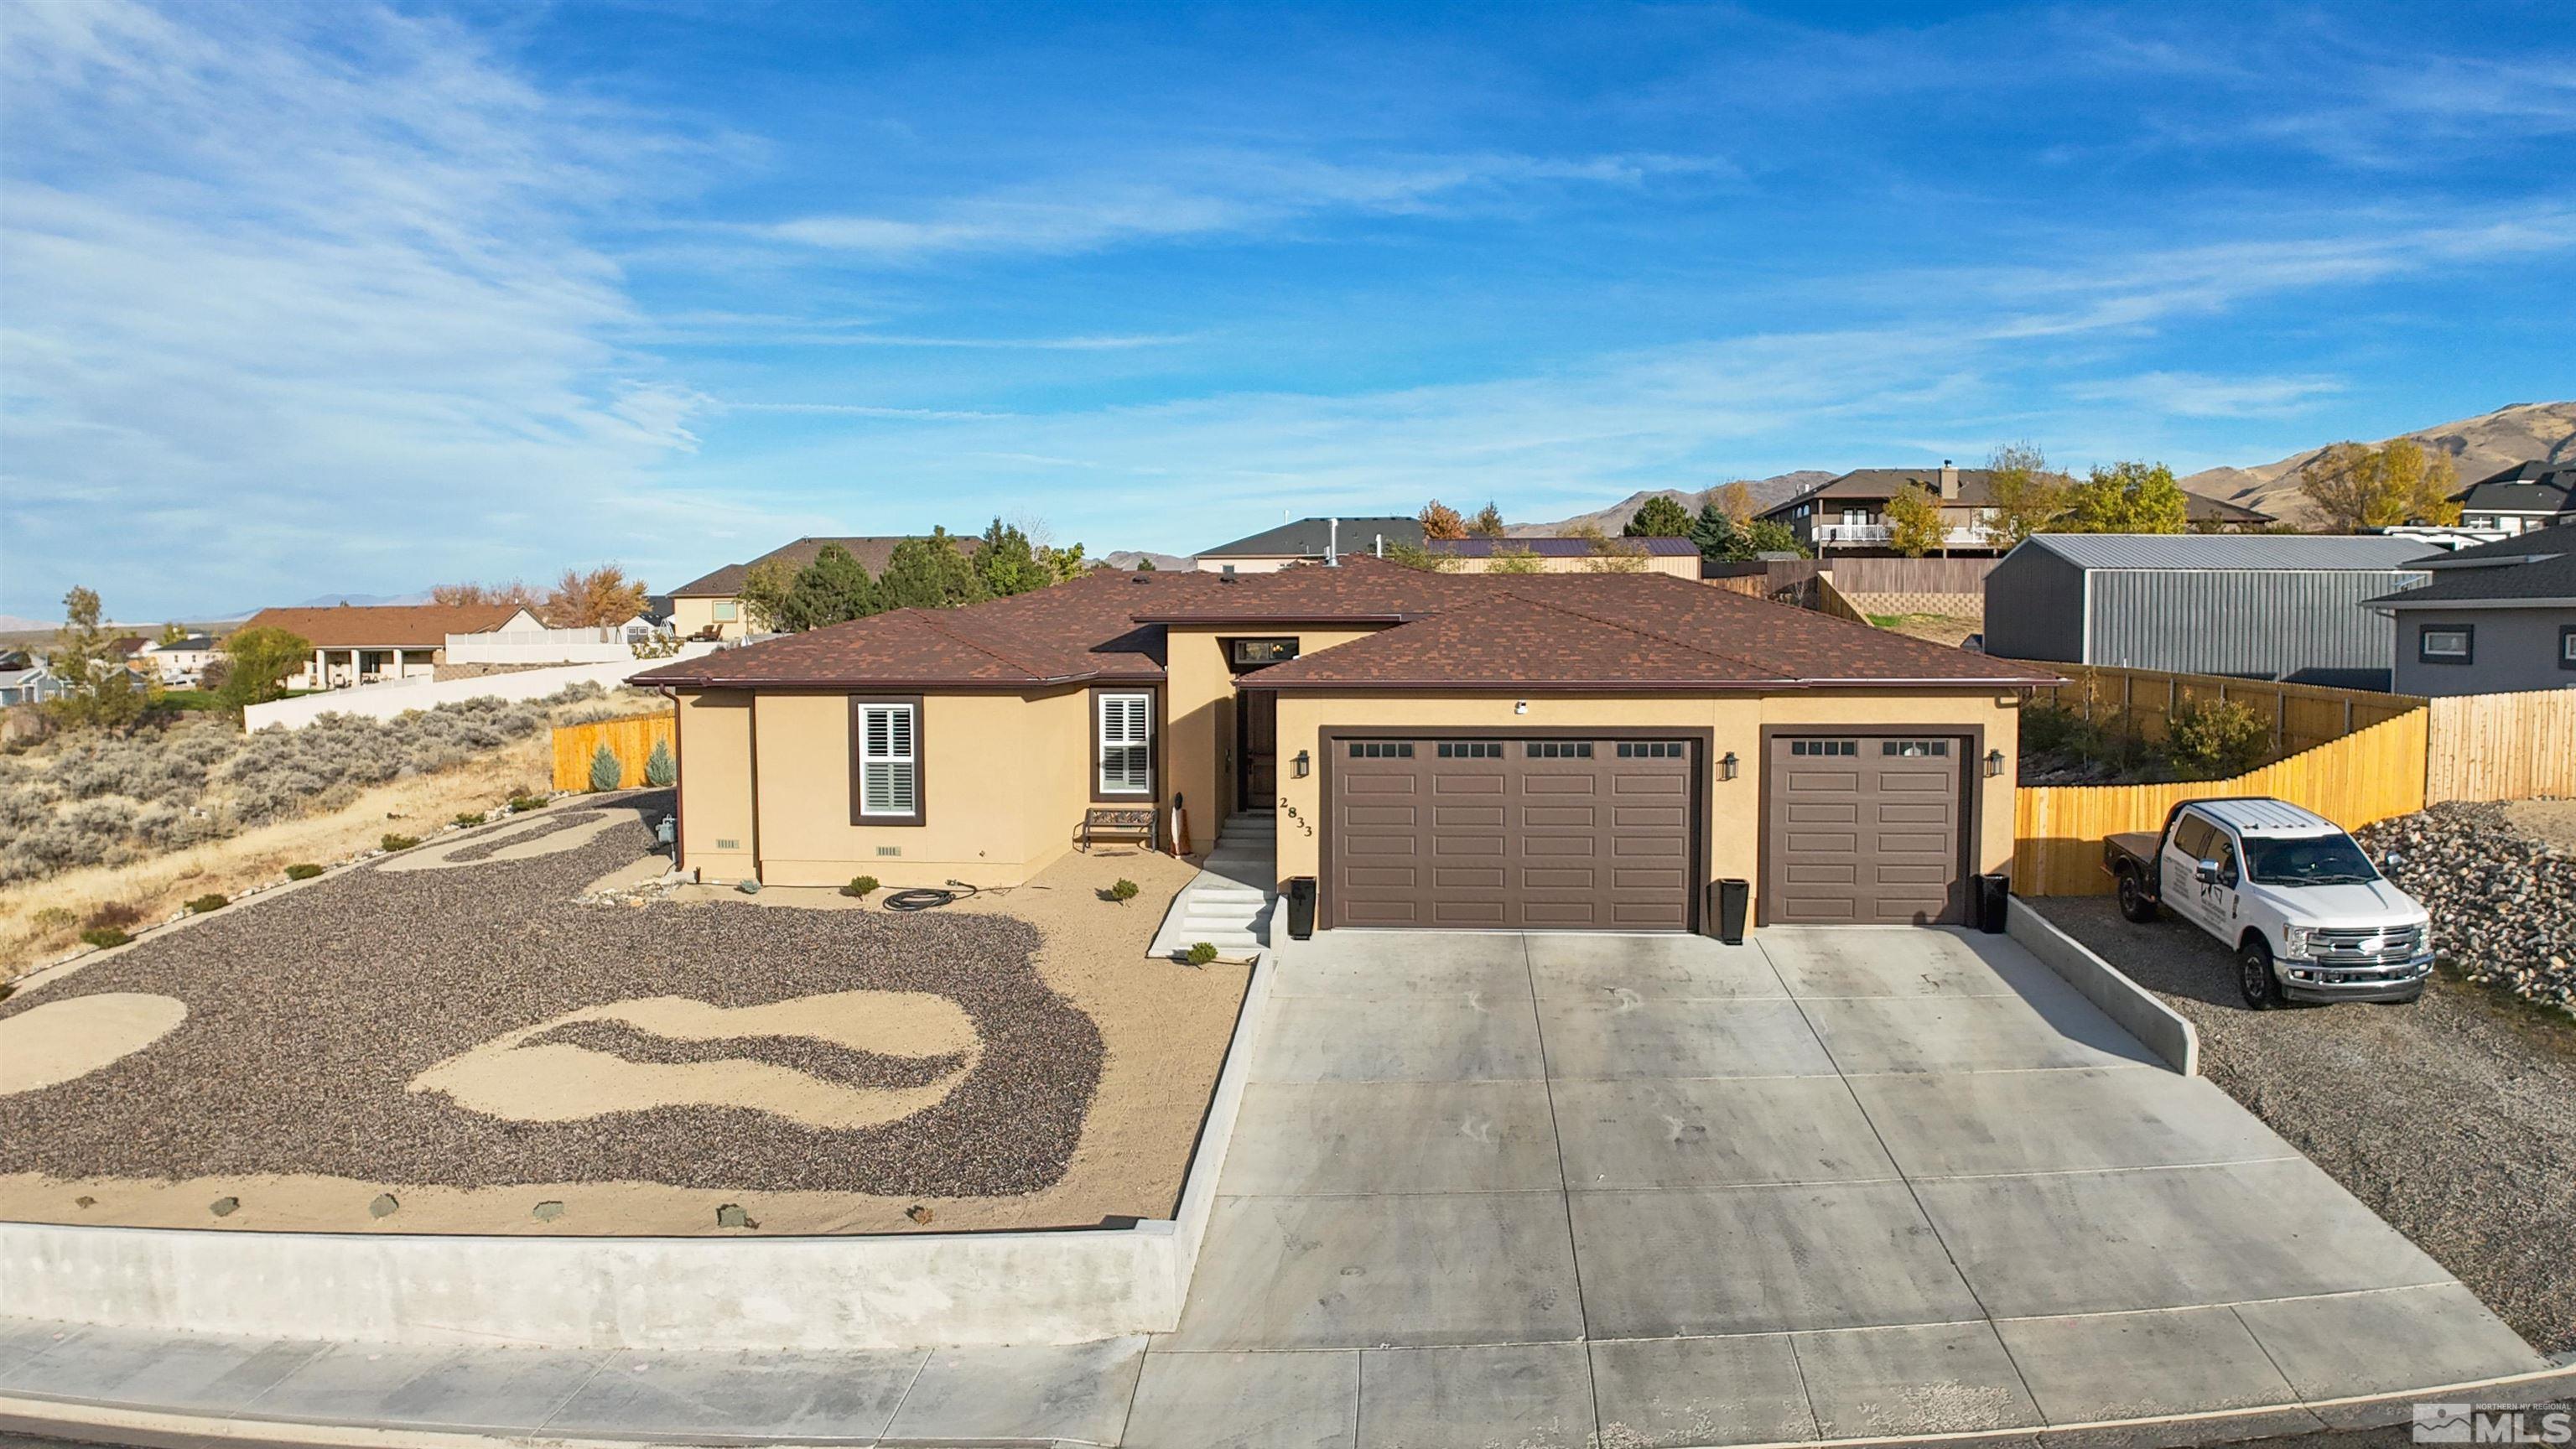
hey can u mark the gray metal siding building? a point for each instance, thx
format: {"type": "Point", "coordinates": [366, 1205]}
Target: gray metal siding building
{"type": "Point", "coordinates": [2258, 606]}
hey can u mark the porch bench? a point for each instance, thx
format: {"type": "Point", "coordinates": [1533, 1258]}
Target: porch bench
{"type": "Point", "coordinates": [1139, 823]}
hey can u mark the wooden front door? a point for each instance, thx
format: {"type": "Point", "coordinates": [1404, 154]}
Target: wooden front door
{"type": "Point", "coordinates": [1256, 750]}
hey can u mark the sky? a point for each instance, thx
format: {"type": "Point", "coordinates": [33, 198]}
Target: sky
{"type": "Point", "coordinates": [355, 297]}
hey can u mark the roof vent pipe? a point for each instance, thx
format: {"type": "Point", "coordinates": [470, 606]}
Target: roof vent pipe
{"type": "Point", "coordinates": [1333, 544]}
{"type": "Point", "coordinates": [1379, 547]}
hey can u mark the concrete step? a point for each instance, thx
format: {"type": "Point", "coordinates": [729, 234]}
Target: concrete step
{"type": "Point", "coordinates": [1230, 896]}
{"type": "Point", "coordinates": [1222, 857]}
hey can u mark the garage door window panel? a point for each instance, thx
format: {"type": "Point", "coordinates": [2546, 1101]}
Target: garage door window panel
{"type": "Point", "coordinates": [1865, 830]}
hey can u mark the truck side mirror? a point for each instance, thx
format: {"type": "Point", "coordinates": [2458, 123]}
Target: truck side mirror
{"type": "Point", "coordinates": [2208, 872]}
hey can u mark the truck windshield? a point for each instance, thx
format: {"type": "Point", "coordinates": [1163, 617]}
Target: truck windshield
{"type": "Point", "coordinates": [2307, 860]}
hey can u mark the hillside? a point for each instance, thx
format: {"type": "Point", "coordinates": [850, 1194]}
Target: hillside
{"type": "Point", "coordinates": [2477, 446]}
{"type": "Point", "coordinates": [1766, 491]}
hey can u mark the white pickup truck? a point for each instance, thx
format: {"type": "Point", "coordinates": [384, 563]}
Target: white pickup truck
{"type": "Point", "coordinates": [2310, 917]}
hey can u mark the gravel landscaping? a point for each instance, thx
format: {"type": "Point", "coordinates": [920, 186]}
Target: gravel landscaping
{"type": "Point", "coordinates": [2453, 1118]}
{"type": "Point", "coordinates": [308, 1015]}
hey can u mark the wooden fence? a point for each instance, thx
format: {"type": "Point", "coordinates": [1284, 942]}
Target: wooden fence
{"type": "Point", "coordinates": [1868, 574]}
{"type": "Point", "coordinates": [2502, 746]}
{"type": "Point", "coordinates": [631, 740]}
{"type": "Point", "coordinates": [1830, 600]}
{"type": "Point", "coordinates": [2301, 716]}
{"type": "Point", "coordinates": [2370, 775]}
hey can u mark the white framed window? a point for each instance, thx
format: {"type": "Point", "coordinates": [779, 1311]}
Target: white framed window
{"type": "Point", "coordinates": [1124, 734]}
{"type": "Point", "coordinates": [727, 610]}
{"type": "Point", "coordinates": [889, 762]}
{"type": "Point", "coordinates": [2446, 644]}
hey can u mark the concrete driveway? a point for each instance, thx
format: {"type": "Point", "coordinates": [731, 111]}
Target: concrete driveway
{"type": "Point", "coordinates": [1636, 1191]}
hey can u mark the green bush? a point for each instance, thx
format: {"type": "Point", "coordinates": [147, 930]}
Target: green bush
{"type": "Point", "coordinates": [2215, 740]}
{"type": "Point", "coordinates": [105, 936]}
{"type": "Point", "coordinates": [1124, 891]}
{"type": "Point", "coordinates": [471, 817]}
{"type": "Point", "coordinates": [53, 918]}
{"type": "Point", "coordinates": [305, 871]}
{"type": "Point", "coordinates": [1202, 953]}
{"type": "Point", "coordinates": [660, 770]}
{"type": "Point", "coordinates": [521, 804]}
{"type": "Point", "coordinates": [210, 901]}
{"type": "Point", "coordinates": [399, 842]}
{"type": "Point", "coordinates": [860, 886]}
{"type": "Point", "coordinates": [605, 772]}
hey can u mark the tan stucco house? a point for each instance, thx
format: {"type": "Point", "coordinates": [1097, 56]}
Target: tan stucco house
{"type": "Point", "coordinates": [1567, 751]}
{"type": "Point", "coordinates": [711, 607]}
{"type": "Point", "coordinates": [356, 644]}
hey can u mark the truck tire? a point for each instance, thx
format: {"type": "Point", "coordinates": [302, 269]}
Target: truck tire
{"type": "Point", "coordinates": [2254, 979]}
{"type": "Point", "coordinates": [2135, 903]}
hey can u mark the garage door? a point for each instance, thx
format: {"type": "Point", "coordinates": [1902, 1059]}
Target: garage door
{"type": "Point", "coordinates": [1510, 834]}
{"type": "Point", "coordinates": [1864, 829]}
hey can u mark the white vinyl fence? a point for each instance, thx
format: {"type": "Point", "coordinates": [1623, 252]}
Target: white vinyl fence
{"type": "Point", "coordinates": [605, 645]}
{"type": "Point", "coordinates": [384, 701]}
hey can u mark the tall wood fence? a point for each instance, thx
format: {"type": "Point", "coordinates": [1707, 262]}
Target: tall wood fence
{"type": "Point", "coordinates": [2372, 774]}
{"type": "Point", "coordinates": [1867, 574]}
{"type": "Point", "coordinates": [1830, 600]}
{"type": "Point", "coordinates": [630, 739]}
{"type": "Point", "coordinates": [2502, 746]}
{"type": "Point", "coordinates": [2300, 716]}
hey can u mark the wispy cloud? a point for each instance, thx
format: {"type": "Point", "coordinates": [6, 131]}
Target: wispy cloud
{"type": "Point", "coordinates": [2200, 395]}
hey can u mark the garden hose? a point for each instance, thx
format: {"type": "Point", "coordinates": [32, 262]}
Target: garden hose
{"type": "Point", "coordinates": [926, 897]}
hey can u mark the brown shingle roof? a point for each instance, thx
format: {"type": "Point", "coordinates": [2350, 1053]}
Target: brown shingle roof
{"type": "Point", "coordinates": [384, 626]}
{"type": "Point", "coordinates": [1874, 485]}
{"type": "Point", "coordinates": [873, 553]}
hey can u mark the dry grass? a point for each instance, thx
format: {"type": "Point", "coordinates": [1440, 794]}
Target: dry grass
{"type": "Point", "coordinates": [1934, 628]}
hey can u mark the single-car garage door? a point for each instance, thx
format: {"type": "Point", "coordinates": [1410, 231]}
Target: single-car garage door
{"type": "Point", "coordinates": [1864, 829]}
{"type": "Point", "coordinates": [1510, 834]}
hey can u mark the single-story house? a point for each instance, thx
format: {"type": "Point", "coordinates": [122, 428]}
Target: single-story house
{"type": "Point", "coordinates": [373, 644]}
{"type": "Point", "coordinates": [182, 661]}
{"type": "Point", "coordinates": [2521, 498]}
{"type": "Point", "coordinates": [1579, 751]}
{"type": "Point", "coordinates": [27, 681]}
{"type": "Point", "coordinates": [1676, 556]}
{"type": "Point", "coordinates": [1850, 512]}
{"type": "Point", "coordinates": [2495, 618]}
{"type": "Point", "coordinates": [1309, 540]}
{"type": "Point", "coordinates": [710, 607]}
{"type": "Point", "coordinates": [2257, 606]}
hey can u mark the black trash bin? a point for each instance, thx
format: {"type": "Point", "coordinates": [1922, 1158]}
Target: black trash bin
{"type": "Point", "coordinates": [1728, 901]}
{"type": "Point", "coordinates": [1301, 907]}
{"type": "Point", "coordinates": [1993, 892]}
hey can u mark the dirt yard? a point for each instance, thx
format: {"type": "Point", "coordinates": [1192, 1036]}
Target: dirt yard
{"type": "Point", "coordinates": [451, 1040]}
{"type": "Point", "coordinates": [2453, 1118]}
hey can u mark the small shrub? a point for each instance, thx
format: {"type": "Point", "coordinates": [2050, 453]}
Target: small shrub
{"type": "Point", "coordinates": [305, 871]}
{"type": "Point", "coordinates": [1202, 953]}
{"type": "Point", "coordinates": [605, 772]}
{"type": "Point", "coordinates": [53, 918]}
{"type": "Point", "coordinates": [470, 817]}
{"type": "Point", "coordinates": [210, 901]}
{"type": "Point", "coordinates": [860, 886]}
{"type": "Point", "coordinates": [2211, 741]}
{"type": "Point", "coordinates": [1124, 891]}
{"type": "Point", "coordinates": [521, 804]}
{"type": "Point", "coordinates": [105, 936]}
{"type": "Point", "coordinates": [114, 916]}
{"type": "Point", "coordinates": [399, 842]}
{"type": "Point", "coordinates": [660, 770]}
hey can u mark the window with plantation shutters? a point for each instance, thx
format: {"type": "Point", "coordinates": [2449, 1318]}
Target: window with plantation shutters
{"type": "Point", "coordinates": [1126, 745]}
{"type": "Point", "coordinates": [889, 761]}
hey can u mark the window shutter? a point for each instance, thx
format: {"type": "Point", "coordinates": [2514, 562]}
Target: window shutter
{"type": "Point", "coordinates": [1126, 743]}
{"type": "Point", "coordinates": [888, 779]}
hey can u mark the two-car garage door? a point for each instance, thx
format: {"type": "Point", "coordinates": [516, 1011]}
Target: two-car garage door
{"type": "Point", "coordinates": [1600, 834]}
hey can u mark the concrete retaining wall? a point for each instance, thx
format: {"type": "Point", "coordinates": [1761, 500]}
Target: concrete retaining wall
{"type": "Point", "coordinates": [384, 701]}
{"type": "Point", "coordinates": [641, 1293]}
{"type": "Point", "coordinates": [2163, 1030]}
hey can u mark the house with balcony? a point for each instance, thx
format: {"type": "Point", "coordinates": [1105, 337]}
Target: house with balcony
{"type": "Point", "coordinates": [1849, 514]}
{"type": "Point", "coordinates": [2520, 499]}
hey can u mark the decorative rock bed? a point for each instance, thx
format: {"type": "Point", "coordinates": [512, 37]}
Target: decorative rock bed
{"type": "Point", "coordinates": [2504, 906]}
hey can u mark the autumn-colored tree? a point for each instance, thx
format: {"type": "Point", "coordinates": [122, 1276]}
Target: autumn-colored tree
{"type": "Point", "coordinates": [514, 594]}
{"type": "Point", "coordinates": [603, 595]}
{"type": "Point", "coordinates": [1488, 522]}
{"type": "Point", "coordinates": [2399, 482]}
{"type": "Point", "coordinates": [1439, 520]}
{"type": "Point", "coordinates": [1914, 526]}
{"type": "Point", "coordinates": [1658, 517]}
{"type": "Point", "coordinates": [2125, 498]}
{"type": "Point", "coordinates": [1735, 500]}
{"type": "Point", "coordinates": [2023, 494]}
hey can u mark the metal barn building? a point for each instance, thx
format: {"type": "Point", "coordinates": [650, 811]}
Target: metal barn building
{"type": "Point", "coordinates": [2257, 606]}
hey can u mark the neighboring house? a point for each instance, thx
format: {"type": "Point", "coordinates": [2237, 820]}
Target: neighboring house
{"type": "Point", "coordinates": [25, 681]}
{"type": "Point", "coordinates": [2521, 498]}
{"type": "Point", "coordinates": [1678, 557]}
{"type": "Point", "coordinates": [357, 644]}
{"type": "Point", "coordinates": [1849, 513]}
{"type": "Point", "coordinates": [183, 662]}
{"type": "Point", "coordinates": [2258, 606]}
{"type": "Point", "coordinates": [711, 607]}
{"type": "Point", "coordinates": [1309, 540]}
{"type": "Point", "coordinates": [2495, 618]}
{"type": "Point", "coordinates": [1582, 751]}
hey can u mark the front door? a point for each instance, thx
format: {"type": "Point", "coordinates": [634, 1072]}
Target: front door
{"type": "Point", "coordinates": [1256, 748]}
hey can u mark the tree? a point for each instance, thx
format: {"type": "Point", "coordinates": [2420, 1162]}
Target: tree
{"type": "Point", "coordinates": [1610, 555]}
{"type": "Point", "coordinates": [1735, 500]}
{"type": "Point", "coordinates": [1145, 566]}
{"type": "Point", "coordinates": [833, 588]}
{"type": "Point", "coordinates": [1914, 526]}
{"type": "Point", "coordinates": [1515, 561]}
{"type": "Point", "coordinates": [2125, 498]}
{"type": "Point", "coordinates": [660, 770]}
{"type": "Point", "coordinates": [255, 665]}
{"type": "Point", "coordinates": [2023, 494]}
{"type": "Point", "coordinates": [1064, 565]}
{"type": "Point", "coordinates": [1007, 563]}
{"type": "Point", "coordinates": [98, 690]}
{"type": "Point", "coordinates": [929, 573]}
{"type": "Point", "coordinates": [767, 588]}
{"type": "Point", "coordinates": [173, 635]}
{"type": "Point", "coordinates": [1658, 517]}
{"type": "Point", "coordinates": [2398, 482]}
{"type": "Point", "coordinates": [605, 771]}
{"type": "Point", "coordinates": [1488, 522]}
{"type": "Point", "coordinates": [1415, 556]}
{"type": "Point", "coordinates": [603, 595]}
{"type": "Point", "coordinates": [1715, 532]}
{"type": "Point", "coordinates": [514, 593]}
{"type": "Point", "coordinates": [1770, 535]}
{"type": "Point", "coordinates": [1439, 520]}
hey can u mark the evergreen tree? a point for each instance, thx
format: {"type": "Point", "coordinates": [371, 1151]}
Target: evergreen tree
{"type": "Point", "coordinates": [929, 573]}
{"type": "Point", "coordinates": [1488, 523]}
{"type": "Point", "coordinates": [660, 770]}
{"type": "Point", "coordinates": [1658, 517]}
{"type": "Point", "coordinates": [605, 772]}
{"type": "Point", "coordinates": [1007, 563]}
{"type": "Point", "coordinates": [833, 589]}
{"type": "Point", "coordinates": [1714, 533]}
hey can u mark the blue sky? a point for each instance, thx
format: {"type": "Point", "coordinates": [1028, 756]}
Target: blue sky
{"type": "Point", "coordinates": [364, 298]}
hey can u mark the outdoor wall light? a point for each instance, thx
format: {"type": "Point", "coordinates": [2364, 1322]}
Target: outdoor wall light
{"type": "Point", "coordinates": [1297, 767]}
{"type": "Point", "coordinates": [1726, 766]}
{"type": "Point", "coordinates": [1994, 763]}
{"type": "Point", "coordinates": [1520, 706]}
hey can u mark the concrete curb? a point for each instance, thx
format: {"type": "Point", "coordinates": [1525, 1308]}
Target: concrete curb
{"type": "Point", "coordinates": [2140, 1012]}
